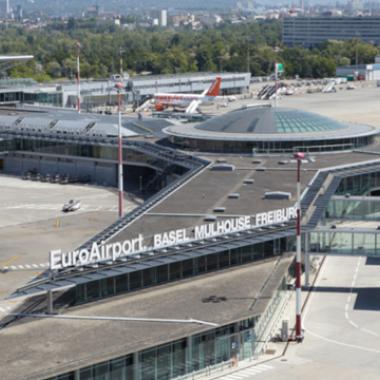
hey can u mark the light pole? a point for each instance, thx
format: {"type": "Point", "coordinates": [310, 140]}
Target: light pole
{"type": "Point", "coordinates": [299, 337]}
{"type": "Point", "coordinates": [119, 87]}
{"type": "Point", "coordinates": [77, 45]}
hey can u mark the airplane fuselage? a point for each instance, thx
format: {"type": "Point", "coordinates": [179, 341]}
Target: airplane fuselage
{"type": "Point", "coordinates": [181, 100]}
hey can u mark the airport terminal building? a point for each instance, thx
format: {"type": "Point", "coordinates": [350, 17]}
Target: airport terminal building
{"type": "Point", "coordinates": [191, 278]}
{"type": "Point", "coordinates": [102, 92]}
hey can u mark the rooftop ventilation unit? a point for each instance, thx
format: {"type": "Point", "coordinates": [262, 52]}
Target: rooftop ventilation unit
{"type": "Point", "coordinates": [282, 195]}
{"type": "Point", "coordinates": [223, 167]}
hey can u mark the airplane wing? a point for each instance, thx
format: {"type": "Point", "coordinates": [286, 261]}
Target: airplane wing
{"type": "Point", "coordinates": [193, 106]}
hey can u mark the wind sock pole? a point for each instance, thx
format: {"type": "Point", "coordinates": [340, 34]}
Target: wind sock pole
{"type": "Point", "coordinates": [119, 87]}
{"type": "Point", "coordinates": [299, 337]}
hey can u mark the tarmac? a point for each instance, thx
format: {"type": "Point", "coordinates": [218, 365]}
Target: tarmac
{"type": "Point", "coordinates": [32, 224]}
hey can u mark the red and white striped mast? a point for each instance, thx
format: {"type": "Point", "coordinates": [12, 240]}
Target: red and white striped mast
{"type": "Point", "coordinates": [299, 337]}
{"type": "Point", "coordinates": [119, 87]}
{"type": "Point", "coordinates": [78, 46]}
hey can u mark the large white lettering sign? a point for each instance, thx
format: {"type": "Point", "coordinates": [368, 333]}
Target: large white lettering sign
{"type": "Point", "coordinates": [113, 251]}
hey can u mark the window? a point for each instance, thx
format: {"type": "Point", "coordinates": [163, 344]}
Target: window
{"type": "Point", "coordinates": [117, 369]}
{"type": "Point", "coordinates": [187, 268]}
{"type": "Point", "coordinates": [101, 371]}
{"type": "Point", "coordinates": [93, 291]}
{"type": "Point", "coordinates": [224, 259]}
{"type": "Point", "coordinates": [162, 273]}
{"type": "Point", "coordinates": [201, 265]}
{"type": "Point", "coordinates": [179, 358]}
{"type": "Point", "coordinates": [164, 362]}
{"type": "Point", "coordinates": [175, 271]}
{"type": "Point", "coordinates": [86, 374]}
{"type": "Point", "coordinates": [107, 287]}
{"type": "Point", "coordinates": [149, 276]}
{"type": "Point", "coordinates": [212, 262]}
{"type": "Point", "coordinates": [121, 283]}
{"type": "Point", "coordinates": [148, 365]}
{"type": "Point", "coordinates": [135, 280]}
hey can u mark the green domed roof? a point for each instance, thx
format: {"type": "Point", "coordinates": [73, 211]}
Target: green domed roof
{"type": "Point", "coordinates": [270, 120]}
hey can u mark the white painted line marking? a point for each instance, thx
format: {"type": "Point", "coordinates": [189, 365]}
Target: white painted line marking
{"type": "Point", "coordinates": [254, 371]}
{"type": "Point", "coordinates": [28, 266]}
{"type": "Point", "coordinates": [265, 366]}
{"type": "Point", "coordinates": [13, 267]}
{"type": "Point", "coordinates": [35, 265]}
{"type": "Point", "coordinates": [369, 332]}
{"type": "Point", "coordinates": [341, 343]}
{"type": "Point", "coordinates": [21, 266]}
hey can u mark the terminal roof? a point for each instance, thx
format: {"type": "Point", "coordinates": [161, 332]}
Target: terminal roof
{"type": "Point", "coordinates": [57, 345]}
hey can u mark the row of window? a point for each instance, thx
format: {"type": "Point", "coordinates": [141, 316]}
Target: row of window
{"type": "Point", "coordinates": [132, 281]}
{"type": "Point", "coordinates": [271, 146]}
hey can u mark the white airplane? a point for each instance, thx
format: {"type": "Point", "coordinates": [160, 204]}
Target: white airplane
{"type": "Point", "coordinates": [190, 102]}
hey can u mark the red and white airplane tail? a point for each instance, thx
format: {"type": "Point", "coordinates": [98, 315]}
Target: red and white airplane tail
{"type": "Point", "coordinates": [214, 88]}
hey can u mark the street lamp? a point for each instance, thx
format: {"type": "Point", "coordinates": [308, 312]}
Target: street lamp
{"type": "Point", "coordinates": [299, 337]}
{"type": "Point", "coordinates": [78, 47]}
{"type": "Point", "coordinates": [119, 87]}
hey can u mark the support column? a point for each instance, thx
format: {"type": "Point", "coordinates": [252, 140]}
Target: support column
{"type": "Point", "coordinates": [77, 375]}
{"type": "Point", "coordinates": [298, 337]}
{"type": "Point", "coordinates": [136, 366]}
{"type": "Point", "coordinates": [189, 354]}
{"type": "Point", "coordinates": [307, 259]}
{"type": "Point", "coordinates": [49, 300]}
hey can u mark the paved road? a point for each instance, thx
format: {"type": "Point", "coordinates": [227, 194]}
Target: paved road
{"type": "Point", "coordinates": [342, 337]}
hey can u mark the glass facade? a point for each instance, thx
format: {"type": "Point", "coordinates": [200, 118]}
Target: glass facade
{"type": "Point", "coordinates": [346, 243]}
{"type": "Point", "coordinates": [363, 184]}
{"type": "Point", "coordinates": [354, 208]}
{"type": "Point", "coordinates": [81, 149]}
{"type": "Point", "coordinates": [309, 31]}
{"type": "Point", "coordinates": [276, 146]}
{"type": "Point", "coordinates": [95, 290]}
{"type": "Point", "coordinates": [294, 121]}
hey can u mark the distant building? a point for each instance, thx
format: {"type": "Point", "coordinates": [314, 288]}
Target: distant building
{"type": "Point", "coordinates": [355, 7]}
{"type": "Point", "coordinates": [310, 31]}
{"type": "Point", "coordinates": [363, 71]}
{"type": "Point", "coordinates": [5, 8]}
{"type": "Point", "coordinates": [164, 18]}
{"type": "Point", "coordinates": [19, 14]}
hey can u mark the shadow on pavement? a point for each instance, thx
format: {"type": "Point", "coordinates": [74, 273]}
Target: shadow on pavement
{"type": "Point", "coordinates": [367, 299]}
